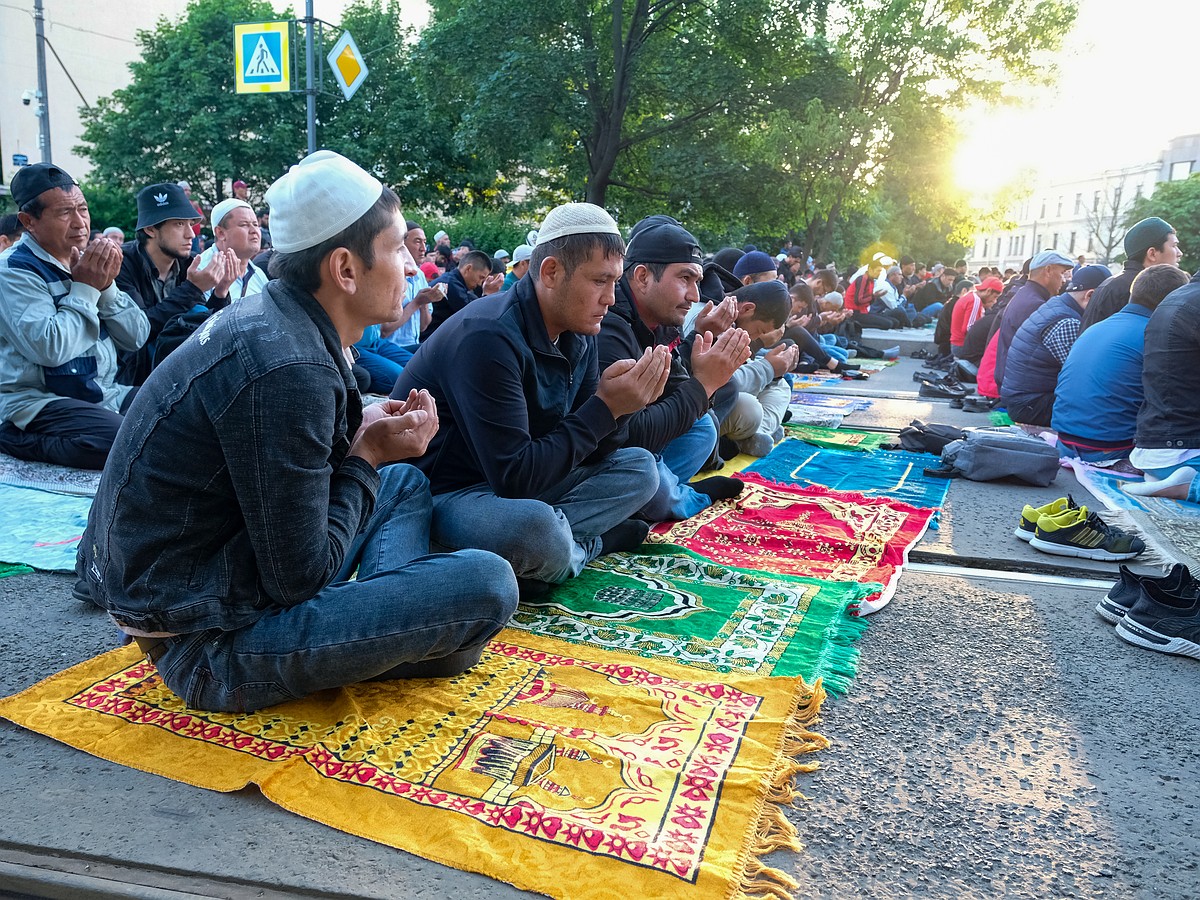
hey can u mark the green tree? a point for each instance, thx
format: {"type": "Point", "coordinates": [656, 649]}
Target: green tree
{"type": "Point", "coordinates": [574, 89]}
{"type": "Point", "coordinates": [180, 117]}
{"type": "Point", "coordinates": [1178, 202]}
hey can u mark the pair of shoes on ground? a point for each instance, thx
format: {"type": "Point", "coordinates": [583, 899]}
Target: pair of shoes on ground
{"type": "Point", "coordinates": [943, 388]}
{"type": "Point", "coordinates": [1157, 612]}
{"type": "Point", "coordinates": [978, 405]}
{"type": "Point", "coordinates": [1062, 528]}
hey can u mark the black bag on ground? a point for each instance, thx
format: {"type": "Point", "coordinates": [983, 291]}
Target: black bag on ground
{"type": "Point", "coordinates": [986, 454]}
{"type": "Point", "coordinates": [921, 438]}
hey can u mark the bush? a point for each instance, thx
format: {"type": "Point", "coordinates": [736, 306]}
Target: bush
{"type": "Point", "coordinates": [488, 229]}
{"type": "Point", "coordinates": [111, 206]}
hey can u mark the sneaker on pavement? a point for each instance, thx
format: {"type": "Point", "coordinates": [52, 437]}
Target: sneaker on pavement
{"type": "Point", "coordinates": [1082, 533]}
{"type": "Point", "coordinates": [1163, 621]}
{"type": "Point", "coordinates": [1027, 527]}
{"type": "Point", "coordinates": [1128, 588]}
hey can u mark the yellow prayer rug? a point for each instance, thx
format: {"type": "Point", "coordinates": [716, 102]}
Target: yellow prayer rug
{"type": "Point", "coordinates": [566, 770]}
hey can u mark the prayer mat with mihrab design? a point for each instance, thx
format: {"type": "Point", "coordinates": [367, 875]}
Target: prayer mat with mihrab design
{"type": "Point", "coordinates": [886, 473]}
{"type": "Point", "coordinates": [836, 438]}
{"type": "Point", "coordinates": [565, 770]}
{"type": "Point", "coordinates": [812, 531]}
{"type": "Point", "coordinates": [47, 477]}
{"type": "Point", "coordinates": [668, 602]}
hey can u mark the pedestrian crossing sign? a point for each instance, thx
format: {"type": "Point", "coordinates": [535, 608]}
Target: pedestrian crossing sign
{"type": "Point", "coordinates": [262, 57]}
{"type": "Point", "coordinates": [349, 67]}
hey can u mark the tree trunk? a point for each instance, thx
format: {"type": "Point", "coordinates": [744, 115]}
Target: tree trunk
{"type": "Point", "coordinates": [827, 233]}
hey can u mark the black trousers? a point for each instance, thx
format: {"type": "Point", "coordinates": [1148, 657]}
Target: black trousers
{"type": "Point", "coordinates": [66, 432]}
{"type": "Point", "coordinates": [1030, 409]}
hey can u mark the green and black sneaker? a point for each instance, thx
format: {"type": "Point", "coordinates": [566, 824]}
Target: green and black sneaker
{"type": "Point", "coordinates": [1080, 532]}
{"type": "Point", "coordinates": [1027, 527]}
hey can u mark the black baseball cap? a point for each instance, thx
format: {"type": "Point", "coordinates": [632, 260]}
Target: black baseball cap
{"type": "Point", "coordinates": [30, 181]}
{"type": "Point", "coordinates": [661, 239]}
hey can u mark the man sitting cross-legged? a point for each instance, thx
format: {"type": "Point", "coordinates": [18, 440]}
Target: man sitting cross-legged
{"type": "Point", "coordinates": [246, 489]}
{"type": "Point", "coordinates": [661, 282]}
{"type": "Point", "coordinates": [525, 463]}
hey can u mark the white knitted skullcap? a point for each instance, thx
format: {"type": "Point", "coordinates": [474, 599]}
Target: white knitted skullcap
{"type": "Point", "coordinates": [576, 218]}
{"type": "Point", "coordinates": [224, 208]}
{"type": "Point", "coordinates": [322, 195]}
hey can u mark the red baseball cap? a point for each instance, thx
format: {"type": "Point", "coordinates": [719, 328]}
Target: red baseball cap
{"type": "Point", "coordinates": [990, 284]}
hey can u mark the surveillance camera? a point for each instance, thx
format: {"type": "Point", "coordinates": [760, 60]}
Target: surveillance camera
{"type": "Point", "coordinates": [27, 97]}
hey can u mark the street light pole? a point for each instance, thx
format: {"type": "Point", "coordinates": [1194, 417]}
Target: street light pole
{"type": "Point", "coordinates": [43, 97]}
{"type": "Point", "coordinates": [309, 73]}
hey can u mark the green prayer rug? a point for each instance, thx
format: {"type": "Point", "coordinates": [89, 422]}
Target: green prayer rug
{"type": "Point", "coordinates": [837, 438]}
{"type": "Point", "coordinates": [665, 601]}
{"type": "Point", "coordinates": [7, 569]}
{"type": "Point", "coordinates": [1000, 417]}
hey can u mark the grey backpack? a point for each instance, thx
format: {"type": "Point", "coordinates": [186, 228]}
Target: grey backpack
{"type": "Point", "coordinates": [985, 454]}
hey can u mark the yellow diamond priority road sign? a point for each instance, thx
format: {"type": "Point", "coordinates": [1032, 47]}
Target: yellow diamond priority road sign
{"type": "Point", "coordinates": [349, 67]}
{"type": "Point", "coordinates": [262, 57]}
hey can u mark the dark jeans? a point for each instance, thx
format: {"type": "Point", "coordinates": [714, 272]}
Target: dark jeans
{"type": "Point", "coordinates": [67, 433]}
{"type": "Point", "coordinates": [892, 318]}
{"type": "Point", "coordinates": [1030, 409]}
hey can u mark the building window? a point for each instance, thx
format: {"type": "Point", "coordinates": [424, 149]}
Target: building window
{"type": "Point", "coordinates": [1096, 202]}
{"type": "Point", "coordinates": [1116, 203]}
{"type": "Point", "coordinates": [1054, 243]}
{"type": "Point", "coordinates": [1071, 248]}
{"type": "Point", "coordinates": [1059, 212]}
{"type": "Point", "coordinates": [1078, 204]}
{"type": "Point", "coordinates": [1137, 194]}
{"type": "Point", "coordinates": [1181, 170]}
{"type": "Point", "coordinates": [985, 248]}
{"type": "Point", "coordinates": [1043, 215]}
{"type": "Point", "coordinates": [1091, 243]}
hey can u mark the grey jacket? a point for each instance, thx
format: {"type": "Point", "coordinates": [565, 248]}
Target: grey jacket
{"type": "Point", "coordinates": [59, 338]}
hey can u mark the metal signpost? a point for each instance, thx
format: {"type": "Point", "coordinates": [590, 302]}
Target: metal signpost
{"type": "Point", "coordinates": [263, 56]}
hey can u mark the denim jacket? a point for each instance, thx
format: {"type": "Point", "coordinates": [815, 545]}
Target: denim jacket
{"type": "Point", "coordinates": [229, 492]}
{"type": "Point", "coordinates": [1170, 415]}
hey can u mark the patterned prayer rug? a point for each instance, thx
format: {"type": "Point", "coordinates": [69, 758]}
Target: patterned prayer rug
{"type": "Point", "coordinates": [1171, 528]}
{"type": "Point", "coordinates": [47, 477]}
{"type": "Point", "coordinates": [41, 529]}
{"type": "Point", "coordinates": [844, 405]}
{"type": "Point", "coordinates": [890, 473]}
{"type": "Point", "coordinates": [837, 438]}
{"type": "Point", "coordinates": [665, 601]}
{"type": "Point", "coordinates": [814, 380]}
{"type": "Point", "coordinates": [813, 531]}
{"type": "Point", "coordinates": [561, 769]}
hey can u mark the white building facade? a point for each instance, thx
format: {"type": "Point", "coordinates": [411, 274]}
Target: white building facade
{"type": "Point", "coordinates": [1083, 217]}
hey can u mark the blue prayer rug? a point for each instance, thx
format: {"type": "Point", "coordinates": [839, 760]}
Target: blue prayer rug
{"type": "Point", "coordinates": [882, 473]}
{"type": "Point", "coordinates": [41, 529]}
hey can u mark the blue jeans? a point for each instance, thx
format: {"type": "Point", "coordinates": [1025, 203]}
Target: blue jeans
{"type": "Point", "coordinates": [550, 537]}
{"type": "Point", "coordinates": [408, 614]}
{"type": "Point", "coordinates": [384, 361]}
{"type": "Point", "coordinates": [680, 460]}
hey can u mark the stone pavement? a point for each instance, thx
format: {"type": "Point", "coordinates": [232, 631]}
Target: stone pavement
{"type": "Point", "coordinates": [999, 740]}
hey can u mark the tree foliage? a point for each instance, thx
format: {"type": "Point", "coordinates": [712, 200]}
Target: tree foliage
{"type": "Point", "coordinates": [826, 121]}
{"type": "Point", "coordinates": [180, 118]}
{"type": "Point", "coordinates": [1178, 202]}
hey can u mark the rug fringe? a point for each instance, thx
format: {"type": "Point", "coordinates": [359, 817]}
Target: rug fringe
{"type": "Point", "coordinates": [774, 830]}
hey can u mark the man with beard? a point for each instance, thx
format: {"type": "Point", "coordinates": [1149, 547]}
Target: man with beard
{"type": "Point", "coordinates": [159, 272]}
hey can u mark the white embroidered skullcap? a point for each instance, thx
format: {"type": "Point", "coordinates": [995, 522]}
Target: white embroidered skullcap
{"type": "Point", "coordinates": [319, 197]}
{"type": "Point", "coordinates": [225, 207]}
{"type": "Point", "coordinates": [576, 218]}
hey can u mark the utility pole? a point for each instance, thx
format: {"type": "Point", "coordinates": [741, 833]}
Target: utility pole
{"type": "Point", "coordinates": [43, 97]}
{"type": "Point", "coordinates": [309, 74]}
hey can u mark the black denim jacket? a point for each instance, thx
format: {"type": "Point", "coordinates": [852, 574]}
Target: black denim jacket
{"type": "Point", "coordinates": [229, 491]}
{"type": "Point", "coordinates": [1170, 414]}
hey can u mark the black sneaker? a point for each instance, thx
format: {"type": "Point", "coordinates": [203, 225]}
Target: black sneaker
{"type": "Point", "coordinates": [1163, 621]}
{"type": "Point", "coordinates": [1125, 592]}
{"type": "Point", "coordinates": [1082, 533]}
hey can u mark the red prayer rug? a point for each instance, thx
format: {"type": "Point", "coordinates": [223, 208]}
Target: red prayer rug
{"type": "Point", "coordinates": [811, 531]}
